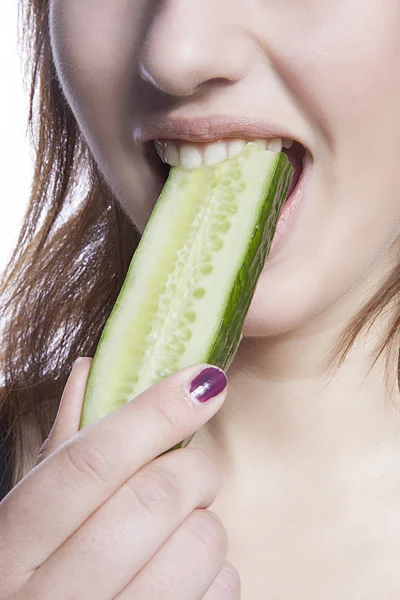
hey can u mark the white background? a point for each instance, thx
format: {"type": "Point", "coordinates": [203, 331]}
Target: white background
{"type": "Point", "coordinates": [15, 154]}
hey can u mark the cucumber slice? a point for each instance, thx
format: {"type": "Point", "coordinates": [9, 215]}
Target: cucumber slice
{"type": "Point", "coordinates": [192, 277]}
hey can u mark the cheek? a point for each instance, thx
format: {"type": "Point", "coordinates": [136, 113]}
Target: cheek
{"type": "Point", "coordinates": [349, 220]}
{"type": "Point", "coordinates": [350, 91]}
{"type": "Point", "coordinates": [93, 42]}
{"type": "Point", "coordinates": [96, 44]}
{"type": "Point", "coordinates": [94, 69]}
{"type": "Point", "coordinates": [340, 62]}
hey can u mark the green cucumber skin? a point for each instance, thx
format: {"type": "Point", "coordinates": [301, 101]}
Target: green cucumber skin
{"type": "Point", "coordinates": [228, 337]}
{"type": "Point", "coordinates": [230, 333]}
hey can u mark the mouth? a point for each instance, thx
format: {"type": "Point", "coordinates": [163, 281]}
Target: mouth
{"type": "Point", "coordinates": [162, 154]}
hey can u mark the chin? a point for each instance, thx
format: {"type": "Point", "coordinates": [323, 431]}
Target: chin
{"type": "Point", "coordinates": [278, 309]}
{"type": "Point", "coordinates": [260, 323]}
{"type": "Point", "coordinates": [263, 319]}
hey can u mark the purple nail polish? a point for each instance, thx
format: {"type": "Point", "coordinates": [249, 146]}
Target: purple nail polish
{"type": "Point", "coordinates": [208, 384]}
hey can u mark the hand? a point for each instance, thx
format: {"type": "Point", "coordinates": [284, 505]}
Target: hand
{"type": "Point", "coordinates": [103, 516]}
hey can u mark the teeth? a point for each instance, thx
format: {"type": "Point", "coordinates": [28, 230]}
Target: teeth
{"type": "Point", "coordinates": [235, 147]}
{"type": "Point", "coordinates": [261, 143]}
{"type": "Point", "coordinates": [161, 147]}
{"type": "Point", "coordinates": [275, 145]}
{"type": "Point", "coordinates": [286, 143]}
{"type": "Point", "coordinates": [215, 153]}
{"type": "Point", "coordinates": [171, 155]}
{"type": "Point", "coordinates": [192, 156]}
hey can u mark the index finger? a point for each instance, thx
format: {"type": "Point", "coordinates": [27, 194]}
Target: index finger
{"type": "Point", "coordinates": [60, 493]}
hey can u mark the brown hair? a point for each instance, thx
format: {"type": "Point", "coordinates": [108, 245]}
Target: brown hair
{"type": "Point", "coordinates": [68, 266]}
{"type": "Point", "coordinates": [66, 272]}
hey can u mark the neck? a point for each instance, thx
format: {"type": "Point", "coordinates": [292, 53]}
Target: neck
{"type": "Point", "coordinates": [286, 406]}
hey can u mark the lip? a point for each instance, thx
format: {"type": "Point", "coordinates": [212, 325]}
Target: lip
{"type": "Point", "coordinates": [209, 129]}
{"type": "Point", "coordinates": [291, 208]}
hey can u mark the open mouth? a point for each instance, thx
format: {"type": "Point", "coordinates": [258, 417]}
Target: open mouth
{"type": "Point", "coordinates": [159, 169]}
{"type": "Point", "coordinates": [162, 154]}
{"type": "Point", "coordinates": [296, 155]}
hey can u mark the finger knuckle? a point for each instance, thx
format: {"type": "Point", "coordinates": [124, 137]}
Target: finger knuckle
{"type": "Point", "coordinates": [171, 412]}
{"type": "Point", "coordinates": [201, 460]}
{"type": "Point", "coordinates": [198, 465]}
{"type": "Point", "coordinates": [86, 460]}
{"type": "Point", "coordinates": [229, 580]}
{"type": "Point", "coordinates": [210, 531]}
{"type": "Point", "coordinates": [156, 491]}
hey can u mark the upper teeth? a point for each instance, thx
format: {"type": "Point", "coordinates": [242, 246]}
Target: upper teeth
{"type": "Point", "coordinates": [194, 155]}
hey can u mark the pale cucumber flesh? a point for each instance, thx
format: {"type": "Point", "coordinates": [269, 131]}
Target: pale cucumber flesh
{"type": "Point", "coordinates": [192, 277]}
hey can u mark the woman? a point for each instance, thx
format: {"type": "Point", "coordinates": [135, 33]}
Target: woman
{"type": "Point", "coordinates": [291, 489]}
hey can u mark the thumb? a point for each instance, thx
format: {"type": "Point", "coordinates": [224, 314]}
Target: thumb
{"type": "Point", "coordinates": [69, 411]}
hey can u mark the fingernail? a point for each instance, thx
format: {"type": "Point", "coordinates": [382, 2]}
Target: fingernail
{"type": "Point", "coordinates": [208, 384]}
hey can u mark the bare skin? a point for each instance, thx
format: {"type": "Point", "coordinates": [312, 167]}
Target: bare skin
{"type": "Point", "coordinates": [103, 516]}
{"type": "Point", "coordinates": [310, 488]}
{"type": "Point", "coordinates": [309, 465]}
{"type": "Point", "coordinates": [310, 494]}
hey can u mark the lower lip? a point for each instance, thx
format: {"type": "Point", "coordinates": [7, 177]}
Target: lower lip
{"type": "Point", "coordinates": [291, 209]}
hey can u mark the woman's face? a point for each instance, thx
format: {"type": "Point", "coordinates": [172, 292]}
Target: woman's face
{"type": "Point", "coordinates": [324, 72]}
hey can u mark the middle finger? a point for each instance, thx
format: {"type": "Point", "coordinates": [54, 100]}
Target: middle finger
{"type": "Point", "coordinates": [123, 534]}
{"type": "Point", "coordinates": [187, 566]}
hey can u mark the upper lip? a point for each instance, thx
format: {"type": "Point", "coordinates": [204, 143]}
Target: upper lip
{"type": "Point", "coordinates": [208, 129]}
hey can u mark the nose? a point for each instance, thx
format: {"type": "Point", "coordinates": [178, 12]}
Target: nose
{"type": "Point", "coordinates": [190, 43]}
